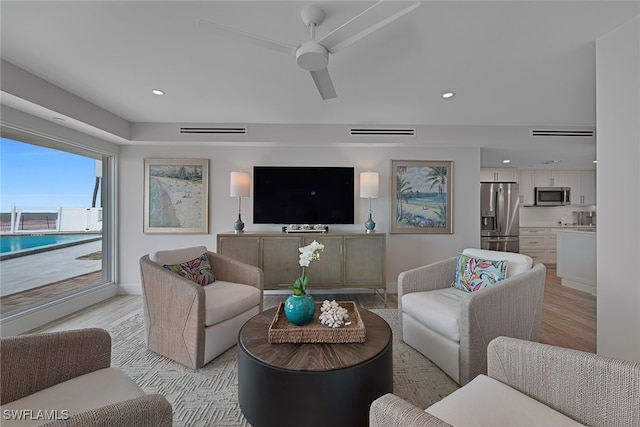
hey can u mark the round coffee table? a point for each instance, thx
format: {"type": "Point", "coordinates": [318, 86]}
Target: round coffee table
{"type": "Point", "coordinates": [312, 384]}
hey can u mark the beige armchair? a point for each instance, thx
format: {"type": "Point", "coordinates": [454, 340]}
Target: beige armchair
{"type": "Point", "coordinates": [530, 384]}
{"type": "Point", "coordinates": [190, 323]}
{"type": "Point", "coordinates": [53, 377]}
{"type": "Point", "coordinates": [452, 328]}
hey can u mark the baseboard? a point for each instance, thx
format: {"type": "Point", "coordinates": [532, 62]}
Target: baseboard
{"type": "Point", "coordinates": [129, 289]}
{"type": "Point", "coordinates": [34, 318]}
{"type": "Point", "coordinates": [581, 286]}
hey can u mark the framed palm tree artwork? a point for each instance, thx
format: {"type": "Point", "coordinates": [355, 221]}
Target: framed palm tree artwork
{"type": "Point", "coordinates": [421, 200]}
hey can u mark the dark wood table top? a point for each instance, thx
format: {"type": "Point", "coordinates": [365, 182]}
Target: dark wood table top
{"type": "Point", "coordinates": [313, 357]}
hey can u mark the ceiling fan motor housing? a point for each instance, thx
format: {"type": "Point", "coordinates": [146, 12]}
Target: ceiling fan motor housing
{"type": "Point", "coordinates": [312, 56]}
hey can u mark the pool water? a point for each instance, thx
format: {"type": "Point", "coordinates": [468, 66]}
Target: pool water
{"type": "Point", "coordinates": [15, 243]}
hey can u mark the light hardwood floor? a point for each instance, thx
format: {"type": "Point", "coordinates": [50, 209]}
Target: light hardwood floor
{"type": "Point", "coordinates": [568, 315]}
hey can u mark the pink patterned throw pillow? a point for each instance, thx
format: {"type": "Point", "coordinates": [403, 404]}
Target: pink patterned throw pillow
{"type": "Point", "coordinates": [197, 270]}
{"type": "Point", "coordinates": [473, 274]}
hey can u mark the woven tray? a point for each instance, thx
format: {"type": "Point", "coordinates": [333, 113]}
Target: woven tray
{"type": "Point", "coordinates": [282, 331]}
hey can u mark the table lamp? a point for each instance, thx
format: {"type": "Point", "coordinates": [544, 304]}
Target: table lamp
{"type": "Point", "coordinates": [240, 183]}
{"type": "Point", "coordinates": [369, 183]}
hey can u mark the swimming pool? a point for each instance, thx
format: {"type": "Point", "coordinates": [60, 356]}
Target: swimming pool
{"type": "Point", "coordinates": [19, 243]}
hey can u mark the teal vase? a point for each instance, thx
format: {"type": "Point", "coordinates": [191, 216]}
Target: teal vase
{"type": "Point", "coordinates": [299, 310]}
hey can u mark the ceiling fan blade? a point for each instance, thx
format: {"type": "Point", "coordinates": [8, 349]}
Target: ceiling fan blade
{"type": "Point", "coordinates": [323, 83]}
{"type": "Point", "coordinates": [363, 24]}
{"type": "Point", "coordinates": [256, 40]}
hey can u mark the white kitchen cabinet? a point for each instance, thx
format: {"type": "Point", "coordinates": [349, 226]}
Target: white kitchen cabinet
{"type": "Point", "coordinates": [587, 187]}
{"type": "Point", "coordinates": [539, 244]}
{"type": "Point", "coordinates": [577, 260]}
{"type": "Point", "coordinates": [498, 175]}
{"type": "Point", "coordinates": [526, 188]}
{"type": "Point", "coordinates": [548, 178]}
{"type": "Point", "coordinates": [581, 182]}
{"type": "Point", "coordinates": [583, 187]}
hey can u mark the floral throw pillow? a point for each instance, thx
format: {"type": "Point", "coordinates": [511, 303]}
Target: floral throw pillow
{"type": "Point", "coordinates": [197, 270]}
{"type": "Point", "coordinates": [473, 274]}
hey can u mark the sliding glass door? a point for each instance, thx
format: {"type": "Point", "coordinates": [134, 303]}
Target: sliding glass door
{"type": "Point", "coordinates": [55, 223]}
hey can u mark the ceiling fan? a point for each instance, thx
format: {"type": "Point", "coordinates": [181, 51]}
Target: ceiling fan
{"type": "Point", "coordinates": [313, 55]}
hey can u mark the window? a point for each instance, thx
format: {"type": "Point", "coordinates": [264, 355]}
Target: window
{"type": "Point", "coordinates": [55, 222]}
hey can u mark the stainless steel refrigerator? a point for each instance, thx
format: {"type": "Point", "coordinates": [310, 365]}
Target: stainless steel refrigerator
{"type": "Point", "coordinates": [499, 216]}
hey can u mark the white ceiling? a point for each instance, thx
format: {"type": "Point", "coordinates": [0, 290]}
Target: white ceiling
{"type": "Point", "coordinates": [510, 63]}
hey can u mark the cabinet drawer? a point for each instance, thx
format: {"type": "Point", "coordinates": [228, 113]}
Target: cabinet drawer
{"type": "Point", "coordinates": [534, 242]}
{"type": "Point", "coordinates": [535, 254]}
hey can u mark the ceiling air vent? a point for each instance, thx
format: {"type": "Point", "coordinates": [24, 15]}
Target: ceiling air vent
{"type": "Point", "coordinates": [538, 133]}
{"type": "Point", "coordinates": [384, 131]}
{"type": "Point", "coordinates": [215, 130]}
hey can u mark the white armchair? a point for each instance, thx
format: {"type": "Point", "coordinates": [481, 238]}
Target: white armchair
{"type": "Point", "coordinates": [452, 327]}
{"type": "Point", "coordinates": [530, 384]}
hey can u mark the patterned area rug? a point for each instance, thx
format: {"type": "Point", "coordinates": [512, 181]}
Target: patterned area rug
{"type": "Point", "coordinates": [208, 396]}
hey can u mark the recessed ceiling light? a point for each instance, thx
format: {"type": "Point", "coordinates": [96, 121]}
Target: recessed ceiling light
{"type": "Point", "coordinates": [506, 161]}
{"type": "Point", "coordinates": [157, 92]}
{"type": "Point", "coordinates": [447, 95]}
{"type": "Point", "coordinates": [595, 161]}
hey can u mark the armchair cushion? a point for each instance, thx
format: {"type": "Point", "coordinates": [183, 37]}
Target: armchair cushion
{"type": "Point", "coordinates": [488, 402]}
{"type": "Point", "coordinates": [518, 263]}
{"type": "Point", "coordinates": [197, 270]}
{"type": "Point", "coordinates": [224, 300]}
{"type": "Point", "coordinates": [473, 274]}
{"type": "Point", "coordinates": [439, 310]}
{"type": "Point", "coordinates": [86, 392]}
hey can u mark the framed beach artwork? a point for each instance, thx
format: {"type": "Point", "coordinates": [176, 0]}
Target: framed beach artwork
{"type": "Point", "coordinates": [176, 196]}
{"type": "Point", "coordinates": [421, 200]}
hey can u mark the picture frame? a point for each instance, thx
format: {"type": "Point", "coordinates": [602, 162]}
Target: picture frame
{"type": "Point", "coordinates": [176, 196]}
{"type": "Point", "coordinates": [421, 199]}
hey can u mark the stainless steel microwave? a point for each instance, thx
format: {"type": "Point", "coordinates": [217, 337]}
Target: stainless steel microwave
{"type": "Point", "coordinates": [552, 196]}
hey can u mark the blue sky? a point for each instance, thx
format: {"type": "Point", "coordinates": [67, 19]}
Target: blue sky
{"type": "Point", "coordinates": [34, 176]}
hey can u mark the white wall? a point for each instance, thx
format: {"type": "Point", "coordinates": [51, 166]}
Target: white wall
{"type": "Point", "coordinates": [403, 251]}
{"type": "Point", "coordinates": [618, 149]}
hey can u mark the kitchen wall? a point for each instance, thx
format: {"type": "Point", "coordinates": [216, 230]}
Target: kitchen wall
{"type": "Point", "coordinates": [404, 251]}
{"type": "Point", "coordinates": [549, 216]}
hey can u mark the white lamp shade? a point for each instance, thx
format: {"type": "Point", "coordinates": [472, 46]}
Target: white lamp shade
{"type": "Point", "coordinates": [369, 185]}
{"type": "Point", "coordinates": [240, 184]}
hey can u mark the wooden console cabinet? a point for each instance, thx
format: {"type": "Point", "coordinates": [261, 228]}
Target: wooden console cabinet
{"type": "Point", "coordinates": [350, 259]}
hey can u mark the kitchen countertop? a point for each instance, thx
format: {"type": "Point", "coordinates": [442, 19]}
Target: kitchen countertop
{"type": "Point", "coordinates": [557, 227]}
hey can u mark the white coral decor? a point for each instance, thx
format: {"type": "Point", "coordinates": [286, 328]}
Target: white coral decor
{"type": "Point", "coordinates": [332, 315]}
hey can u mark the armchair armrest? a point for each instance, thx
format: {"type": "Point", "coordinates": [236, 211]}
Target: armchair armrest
{"type": "Point", "coordinates": [174, 310]}
{"type": "Point", "coordinates": [391, 410]}
{"type": "Point", "coordinates": [511, 308]}
{"type": "Point", "coordinates": [438, 275]}
{"type": "Point", "coordinates": [152, 410]}
{"type": "Point", "coordinates": [591, 389]}
{"type": "Point", "coordinates": [231, 270]}
{"type": "Point", "coordinates": [31, 363]}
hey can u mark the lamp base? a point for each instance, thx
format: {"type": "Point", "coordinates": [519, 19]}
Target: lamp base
{"type": "Point", "coordinates": [369, 225]}
{"type": "Point", "coordinates": [238, 225]}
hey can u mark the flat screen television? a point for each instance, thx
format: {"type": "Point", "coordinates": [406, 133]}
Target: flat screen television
{"type": "Point", "coordinates": [303, 195]}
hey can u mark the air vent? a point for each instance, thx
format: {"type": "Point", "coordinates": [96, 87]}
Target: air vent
{"type": "Point", "coordinates": [537, 133]}
{"type": "Point", "coordinates": [384, 131]}
{"type": "Point", "coordinates": [217, 130]}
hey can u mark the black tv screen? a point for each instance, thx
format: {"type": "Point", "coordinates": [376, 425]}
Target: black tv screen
{"type": "Point", "coordinates": [303, 195]}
